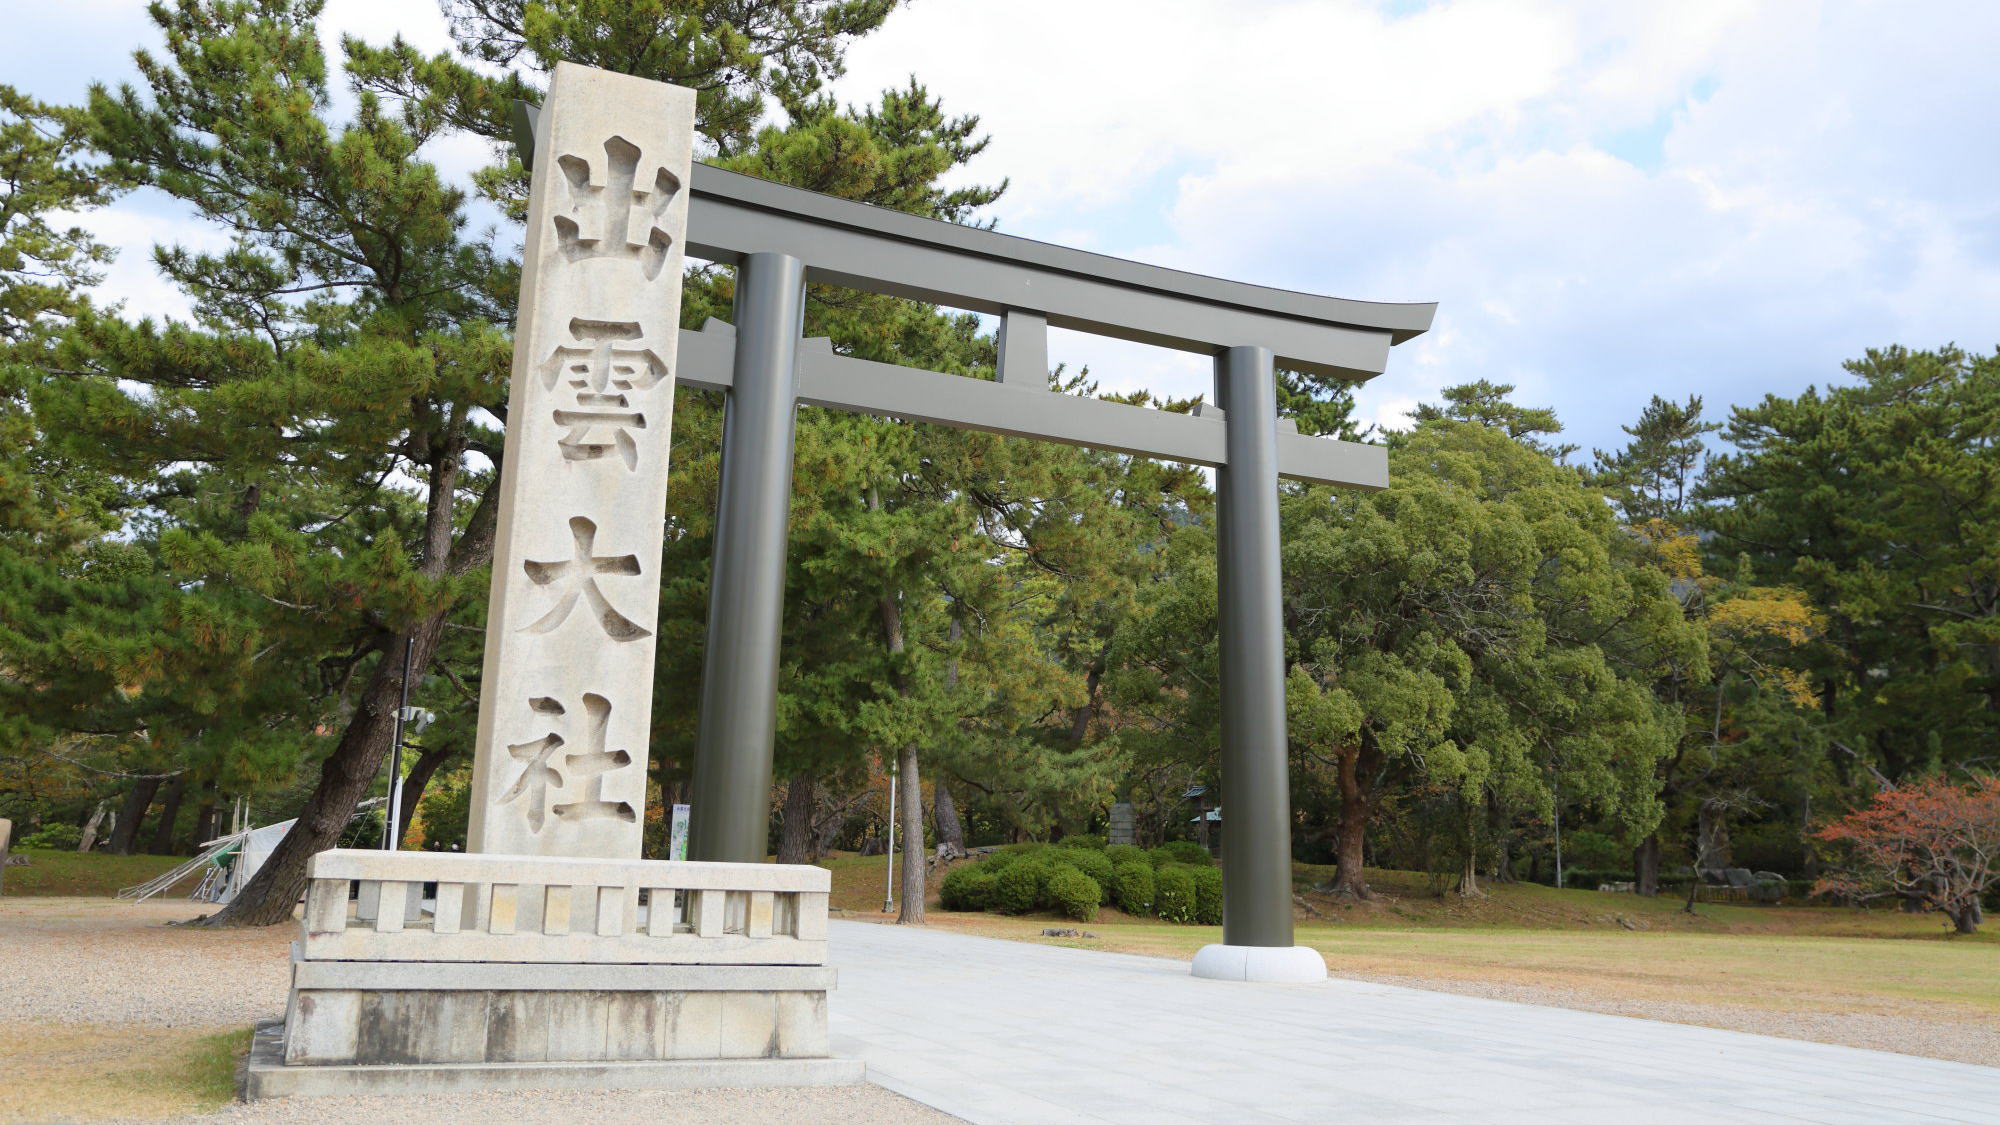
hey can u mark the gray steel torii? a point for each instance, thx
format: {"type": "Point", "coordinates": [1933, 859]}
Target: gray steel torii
{"type": "Point", "coordinates": [779, 238]}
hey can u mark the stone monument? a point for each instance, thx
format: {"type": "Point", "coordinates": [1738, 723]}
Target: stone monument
{"type": "Point", "coordinates": [552, 955]}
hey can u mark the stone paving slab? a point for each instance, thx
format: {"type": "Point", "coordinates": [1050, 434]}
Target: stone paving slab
{"type": "Point", "coordinates": [1000, 1032]}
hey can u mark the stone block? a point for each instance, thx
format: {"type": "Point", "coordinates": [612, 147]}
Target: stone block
{"type": "Point", "coordinates": [801, 1025]}
{"type": "Point", "coordinates": [697, 1026]}
{"type": "Point", "coordinates": [517, 1027]}
{"type": "Point", "coordinates": [749, 1025]}
{"type": "Point", "coordinates": [324, 1027]}
{"type": "Point", "coordinates": [267, 1075]}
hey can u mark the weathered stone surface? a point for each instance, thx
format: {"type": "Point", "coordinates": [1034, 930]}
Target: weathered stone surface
{"type": "Point", "coordinates": [267, 1076]}
{"type": "Point", "coordinates": [314, 976]}
{"type": "Point", "coordinates": [566, 695]}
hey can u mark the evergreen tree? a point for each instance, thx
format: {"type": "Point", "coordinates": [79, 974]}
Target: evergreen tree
{"type": "Point", "coordinates": [1654, 476]}
{"type": "Point", "coordinates": [1878, 500]}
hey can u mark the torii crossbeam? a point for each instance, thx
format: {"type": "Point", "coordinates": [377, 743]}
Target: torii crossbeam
{"type": "Point", "coordinates": [779, 238]}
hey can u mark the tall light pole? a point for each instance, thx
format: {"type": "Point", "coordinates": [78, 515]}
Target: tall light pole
{"type": "Point", "coordinates": [392, 839]}
{"type": "Point", "coordinates": [889, 887]}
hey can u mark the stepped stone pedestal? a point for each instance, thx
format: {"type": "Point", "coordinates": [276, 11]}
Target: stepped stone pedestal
{"type": "Point", "coordinates": [636, 974]}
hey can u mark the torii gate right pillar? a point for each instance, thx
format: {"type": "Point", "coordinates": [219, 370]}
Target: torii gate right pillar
{"type": "Point", "coordinates": [1257, 849]}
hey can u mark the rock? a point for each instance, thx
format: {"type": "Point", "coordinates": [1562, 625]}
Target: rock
{"type": "Point", "coordinates": [1054, 931]}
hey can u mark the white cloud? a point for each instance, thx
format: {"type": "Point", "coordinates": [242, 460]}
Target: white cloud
{"type": "Point", "coordinates": [1724, 197]}
{"type": "Point", "coordinates": [1608, 200]}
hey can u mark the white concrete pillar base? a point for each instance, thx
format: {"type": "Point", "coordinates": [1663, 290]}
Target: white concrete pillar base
{"type": "Point", "coordinates": [1266, 964]}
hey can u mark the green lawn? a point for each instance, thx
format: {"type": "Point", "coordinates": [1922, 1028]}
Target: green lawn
{"type": "Point", "coordinates": [1795, 957]}
{"type": "Point", "coordinates": [87, 873]}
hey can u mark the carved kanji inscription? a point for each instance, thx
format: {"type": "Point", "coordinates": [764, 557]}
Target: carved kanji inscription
{"type": "Point", "coordinates": [576, 579]}
{"type": "Point", "coordinates": [593, 762]}
{"type": "Point", "coordinates": [599, 380]}
{"type": "Point", "coordinates": [622, 218]}
{"type": "Point", "coordinates": [566, 691]}
{"type": "Point", "coordinates": [538, 778]}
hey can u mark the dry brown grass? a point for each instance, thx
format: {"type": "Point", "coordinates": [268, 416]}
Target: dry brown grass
{"type": "Point", "coordinates": [98, 1073]}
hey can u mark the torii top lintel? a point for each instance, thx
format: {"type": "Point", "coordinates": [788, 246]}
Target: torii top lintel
{"type": "Point", "coordinates": [883, 251]}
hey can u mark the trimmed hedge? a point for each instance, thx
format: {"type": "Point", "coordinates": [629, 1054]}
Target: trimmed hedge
{"type": "Point", "coordinates": [1174, 893]}
{"type": "Point", "coordinates": [1094, 864]}
{"type": "Point", "coordinates": [1122, 854]}
{"type": "Point", "coordinates": [1075, 894]}
{"type": "Point", "coordinates": [1081, 840]}
{"type": "Point", "coordinates": [1132, 888]}
{"type": "Point", "coordinates": [1207, 896]}
{"type": "Point", "coordinates": [1018, 889]}
{"type": "Point", "coordinates": [1178, 882]}
{"type": "Point", "coordinates": [969, 886]}
{"type": "Point", "coordinates": [1181, 851]}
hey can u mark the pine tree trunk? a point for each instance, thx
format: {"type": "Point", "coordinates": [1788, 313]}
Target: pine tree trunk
{"type": "Point", "coordinates": [795, 836]}
{"type": "Point", "coordinates": [911, 798]}
{"type": "Point", "coordinates": [89, 836]}
{"type": "Point", "coordinates": [1646, 866]}
{"type": "Point", "coordinates": [204, 818]}
{"type": "Point", "coordinates": [1349, 850]}
{"type": "Point", "coordinates": [950, 830]}
{"type": "Point", "coordinates": [139, 798]}
{"type": "Point", "coordinates": [421, 772]}
{"type": "Point", "coordinates": [347, 773]}
{"type": "Point", "coordinates": [170, 814]}
{"type": "Point", "coordinates": [345, 776]}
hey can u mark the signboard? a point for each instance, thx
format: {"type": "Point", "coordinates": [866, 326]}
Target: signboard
{"type": "Point", "coordinates": [677, 836]}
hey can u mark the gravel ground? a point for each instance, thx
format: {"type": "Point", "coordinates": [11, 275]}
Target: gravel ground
{"type": "Point", "coordinates": [103, 964]}
{"type": "Point", "coordinates": [821, 1106]}
{"type": "Point", "coordinates": [96, 961]}
{"type": "Point", "coordinates": [1965, 1041]}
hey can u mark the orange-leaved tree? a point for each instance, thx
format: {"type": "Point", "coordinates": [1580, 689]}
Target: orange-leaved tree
{"type": "Point", "coordinates": [1933, 843]}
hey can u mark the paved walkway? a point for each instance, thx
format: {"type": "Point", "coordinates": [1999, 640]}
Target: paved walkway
{"type": "Point", "coordinates": [996, 1031]}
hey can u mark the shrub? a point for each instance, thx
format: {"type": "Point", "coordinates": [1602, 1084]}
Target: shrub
{"type": "Point", "coordinates": [1075, 894]}
{"type": "Point", "coordinates": [1187, 853]}
{"type": "Point", "coordinates": [1207, 896]}
{"type": "Point", "coordinates": [1591, 878]}
{"type": "Point", "coordinates": [1024, 847]}
{"type": "Point", "coordinates": [1082, 840]}
{"type": "Point", "coordinates": [1094, 864]}
{"type": "Point", "coordinates": [998, 862]}
{"type": "Point", "coordinates": [53, 837]}
{"type": "Point", "coordinates": [1132, 888]}
{"type": "Point", "coordinates": [1122, 854]}
{"type": "Point", "coordinates": [1018, 889]}
{"type": "Point", "coordinates": [969, 886]}
{"type": "Point", "coordinates": [1174, 893]}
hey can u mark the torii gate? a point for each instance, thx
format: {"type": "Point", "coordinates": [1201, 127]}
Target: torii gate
{"type": "Point", "coordinates": [780, 238]}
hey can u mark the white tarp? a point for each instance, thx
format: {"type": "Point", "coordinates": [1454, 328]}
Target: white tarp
{"type": "Point", "coordinates": [258, 843]}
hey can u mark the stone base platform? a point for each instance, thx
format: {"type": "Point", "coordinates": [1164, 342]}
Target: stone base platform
{"type": "Point", "coordinates": [268, 1076]}
{"type": "Point", "coordinates": [530, 972]}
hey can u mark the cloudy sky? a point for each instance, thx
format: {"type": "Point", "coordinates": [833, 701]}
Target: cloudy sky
{"type": "Point", "coordinates": [1608, 200]}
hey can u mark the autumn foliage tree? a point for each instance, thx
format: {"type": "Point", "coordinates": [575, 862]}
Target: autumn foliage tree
{"type": "Point", "coordinates": [1933, 843]}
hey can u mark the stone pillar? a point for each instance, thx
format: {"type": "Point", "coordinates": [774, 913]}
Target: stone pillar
{"type": "Point", "coordinates": [1124, 827]}
{"type": "Point", "coordinates": [566, 698]}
